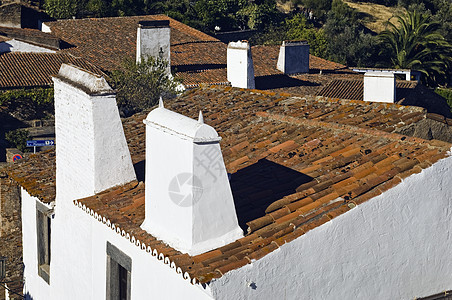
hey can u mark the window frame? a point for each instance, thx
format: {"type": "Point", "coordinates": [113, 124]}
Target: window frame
{"type": "Point", "coordinates": [44, 216]}
{"type": "Point", "coordinates": [117, 260]}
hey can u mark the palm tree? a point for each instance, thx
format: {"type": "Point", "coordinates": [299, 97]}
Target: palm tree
{"type": "Point", "coordinates": [417, 44]}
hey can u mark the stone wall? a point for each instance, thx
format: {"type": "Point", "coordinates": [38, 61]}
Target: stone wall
{"type": "Point", "coordinates": [11, 235]}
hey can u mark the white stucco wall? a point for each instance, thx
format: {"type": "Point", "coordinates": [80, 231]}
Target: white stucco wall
{"type": "Point", "coordinates": [34, 285]}
{"type": "Point", "coordinates": [155, 42]}
{"type": "Point", "coordinates": [293, 57]}
{"type": "Point", "coordinates": [379, 87]}
{"type": "Point", "coordinates": [91, 150]}
{"type": "Point", "coordinates": [187, 184]}
{"type": "Point", "coordinates": [18, 46]}
{"type": "Point", "coordinates": [395, 246]}
{"type": "Point", "coordinates": [240, 68]}
{"type": "Point", "coordinates": [78, 267]}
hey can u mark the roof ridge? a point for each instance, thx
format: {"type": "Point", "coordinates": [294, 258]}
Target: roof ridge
{"type": "Point", "coordinates": [353, 129]}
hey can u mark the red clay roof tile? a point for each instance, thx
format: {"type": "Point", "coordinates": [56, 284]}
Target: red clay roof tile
{"type": "Point", "coordinates": [276, 201]}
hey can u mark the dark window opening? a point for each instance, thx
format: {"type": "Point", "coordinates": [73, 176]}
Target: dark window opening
{"type": "Point", "coordinates": [119, 267]}
{"type": "Point", "coordinates": [43, 232]}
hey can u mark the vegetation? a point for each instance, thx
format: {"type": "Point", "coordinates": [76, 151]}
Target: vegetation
{"type": "Point", "coordinates": [446, 93]}
{"type": "Point", "coordinates": [347, 41]}
{"type": "Point", "coordinates": [295, 28]}
{"type": "Point", "coordinates": [417, 44]}
{"type": "Point", "coordinates": [335, 31]}
{"type": "Point", "coordinates": [139, 85]}
{"type": "Point", "coordinates": [28, 104]}
{"type": "Point", "coordinates": [18, 138]}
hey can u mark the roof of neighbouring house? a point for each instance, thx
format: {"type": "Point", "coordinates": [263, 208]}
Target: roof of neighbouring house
{"type": "Point", "coordinates": [296, 163]}
{"type": "Point", "coordinates": [31, 35]}
{"type": "Point", "coordinates": [18, 70]}
{"type": "Point", "coordinates": [196, 57]}
{"type": "Point", "coordinates": [407, 93]}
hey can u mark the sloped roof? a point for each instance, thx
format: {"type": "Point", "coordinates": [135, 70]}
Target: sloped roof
{"type": "Point", "coordinates": [107, 41]}
{"type": "Point", "coordinates": [196, 58]}
{"type": "Point", "coordinates": [296, 163]}
{"type": "Point", "coordinates": [19, 70]}
{"type": "Point", "coordinates": [407, 93]}
{"type": "Point", "coordinates": [31, 36]}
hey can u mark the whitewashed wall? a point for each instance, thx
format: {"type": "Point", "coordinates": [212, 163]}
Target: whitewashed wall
{"type": "Point", "coordinates": [395, 246]}
{"type": "Point", "coordinates": [78, 267]}
{"type": "Point", "coordinates": [18, 46]}
{"type": "Point", "coordinates": [34, 285]}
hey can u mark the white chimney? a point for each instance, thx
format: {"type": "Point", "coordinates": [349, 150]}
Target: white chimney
{"type": "Point", "coordinates": [153, 39]}
{"type": "Point", "coordinates": [91, 150]}
{"type": "Point", "coordinates": [379, 87]}
{"type": "Point", "coordinates": [293, 57]}
{"type": "Point", "coordinates": [240, 65]}
{"type": "Point", "coordinates": [189, 202]}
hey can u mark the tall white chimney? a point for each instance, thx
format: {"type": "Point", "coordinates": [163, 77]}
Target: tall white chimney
{"type": "Point", "coordinates": [189, 202]}
{"type": "Point", "coordinates": [153, 39]}
{"type": "Point", "coordinates": [91, 150]}
{"type": "Point", "coordinates": [240, 67]}
{"type": "Point", "coordinates": [379, 87]}
{"type": "Point", "coordinates": [293, 57]}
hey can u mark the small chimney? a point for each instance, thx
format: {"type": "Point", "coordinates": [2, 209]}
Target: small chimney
{"type": "Point", "coordinates": [91, 150]}
{"type": "Point", "coordinates": [293, 57]}
{"type": "Point", "coordinates": [153, 39]}
{"type": "Point", "coordinates": [240, 65]}
{"type": "Point", "coordinates": [379, 87]}
{"type": "Point", "coordinates": [189, 202]}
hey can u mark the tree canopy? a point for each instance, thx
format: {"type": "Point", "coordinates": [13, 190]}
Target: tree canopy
{"type": "Point", "coordinates": [416, 43]}
{"type": "Point", "coordinates": [140, 85]}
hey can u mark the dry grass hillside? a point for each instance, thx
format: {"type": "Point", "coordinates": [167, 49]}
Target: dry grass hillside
{"type": "Point", "coordinates": [376, 16]}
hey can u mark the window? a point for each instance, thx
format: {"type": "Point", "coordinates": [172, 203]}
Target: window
{"type": "Point", "coordinates": [43, 227]}
{"type": "Point", "coordinates": [119, 266]}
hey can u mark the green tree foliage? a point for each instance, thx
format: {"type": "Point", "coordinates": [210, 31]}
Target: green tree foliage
{"type": "Point", "coordinates": [28, 104]}
{"type": "Point", "coordinates": [320, 7]}
{"type": "Point", "coordinates": [18, 138]}
{"type": "Point", "coordinates": [297, 28]}
{"type": "Point", "coordinates": [62, 9]}
{"type": "Point", "coordinates": [446, 93]}
{"type": "Point", "coordinates": [416, 43]}
{"type": "Point", "coordinates": [139, 85]}
{"type": "Point", "coordinates": [347, 41]}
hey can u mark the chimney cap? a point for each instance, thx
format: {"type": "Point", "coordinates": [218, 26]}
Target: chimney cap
{"type": "Point", "coordinates": [90, 83]}
{"type": "Point", "coordinates": [239, 45]}
{"type": "Point", "coordinates": [179, 125]}
{"type": "Point", "coordinates": [294, 43]}
{"type": "Point", "coordinates": [153, 24]}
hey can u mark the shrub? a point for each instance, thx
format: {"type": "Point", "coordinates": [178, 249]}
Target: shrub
{"type": "Point", "coordinates": [18, 138]}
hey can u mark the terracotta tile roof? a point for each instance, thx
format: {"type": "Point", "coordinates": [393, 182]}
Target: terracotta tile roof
{"type": "Point", "coordinates": [266, 57]}
{"type": "Point", "coordinates": [353, 89]}
{"type": "Point", "coordinates": [107, 41]}
{"type": "Point", "coordinates": [25, 32]}
{"type": "Point", "coordinates": [19, 70]}
{"type": "Point", "coordinates": [296, 163]}
{"type": "Point", "coordinates": [197, 58]}
{"type": "Point", "coordinates": [407, 93]}
{"type": "Point", "coordinates": [4, 38]}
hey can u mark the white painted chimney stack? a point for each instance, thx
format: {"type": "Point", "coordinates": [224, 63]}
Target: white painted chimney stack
{"type": "Point", "coordinates": [293, 57]}
{"type": "Point", "coordinates": [240, 67]}
{"type": "Point", "coordinates": [189, 202]}
{"type": "Point", "coordinates": [379, 87]}
{"type": "Point", "coordinates": [91, 150]}
{"type": "Point", "coordinates": [153, 39]}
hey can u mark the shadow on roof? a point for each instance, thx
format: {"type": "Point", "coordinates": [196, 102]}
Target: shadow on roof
{"type": "Point", "coordinates": [257, 186]}
{"type": "Point", "coordinates": [197, 67]}
{"type": "Point", "coordinates": [280, 81]}
{"type": "Point", "coordinates": [139, 170]}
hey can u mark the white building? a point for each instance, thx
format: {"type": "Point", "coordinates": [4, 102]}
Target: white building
{"type": "Point", "coordinates": [332, 211]}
